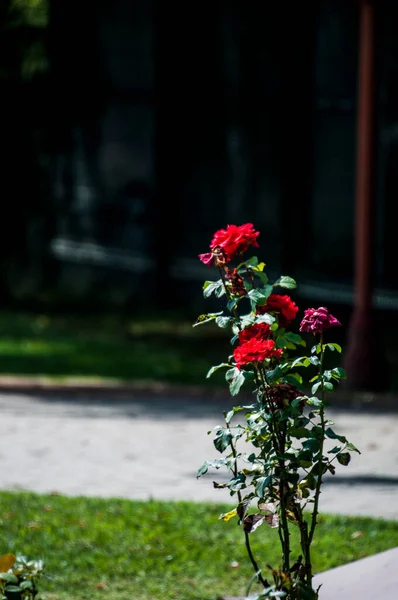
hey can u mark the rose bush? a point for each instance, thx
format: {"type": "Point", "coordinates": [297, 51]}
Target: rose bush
{"type": "Point", "coordinates": [278, 482]}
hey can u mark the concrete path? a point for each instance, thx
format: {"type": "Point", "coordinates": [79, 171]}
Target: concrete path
{"type": "Point", "coordinates": [150, 447]}
{"type": "Point", "coordinates": [372, 578]}
{"type": "Point", "coordinates": [143, 447]}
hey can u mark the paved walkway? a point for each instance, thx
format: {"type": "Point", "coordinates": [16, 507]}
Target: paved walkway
{"type": "Point", "coordinates": [150, 447]}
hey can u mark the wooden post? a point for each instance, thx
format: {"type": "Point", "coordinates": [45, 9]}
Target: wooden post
{"type": "Point", "coordinates": [361, 348]}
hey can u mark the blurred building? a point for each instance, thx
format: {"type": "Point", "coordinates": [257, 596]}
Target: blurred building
{"type": "Point", "coordinates": [159, 123]}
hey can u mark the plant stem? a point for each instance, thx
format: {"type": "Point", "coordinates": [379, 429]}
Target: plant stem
{"type": "Point", "coordinates": [283, 487]}
{"type": "Point", "coordinates": [279, 442]}
{"type": "Point", "coordinates": [256, 568]}
{"type": "Point", "coordinates": [320, 460]}
{"type": "Point", "coordinates": [303, 526]}
{"type": "Point", "coordinates": [222, 276]}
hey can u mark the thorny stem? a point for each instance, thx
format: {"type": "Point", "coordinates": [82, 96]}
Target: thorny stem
{"type": "Point", "coordinates": [279, 440]}
{"type": "Point", "coordinates": [280, 448]}
{"type": "Point", "coordinates": [320, 460]}
{"type": "Point", "coordinates": [303, 527]}
{"type": "Point", "coordinates": [229, 296]}
{"type": "Point", "coordinates": [226, 290]}
{"type": "Point", "coordinates": [261, 579]}
{"type": "Point", "coordinates": [250, 273]}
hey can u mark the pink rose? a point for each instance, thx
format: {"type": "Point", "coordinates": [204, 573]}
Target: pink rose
{"type": "Point", "coordinates": [318, 319]}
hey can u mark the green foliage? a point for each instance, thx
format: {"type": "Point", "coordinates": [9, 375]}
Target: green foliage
{"type": "Point", "coordinates": [20, 577]}
{"type": "Point", "coordinates": [100, 348]}
{"type": "Point", "coordinates": [236, 379]}
{"type": "Point", "coordinates": [119, 549]}
{"type": "Point", "coordinates": [259, 296]}
{"type": "Point", "coordinates": [285, 282]}
{"type": "Point", "coordinates": [213, 287]}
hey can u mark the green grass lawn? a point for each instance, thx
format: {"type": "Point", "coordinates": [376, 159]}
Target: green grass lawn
{"type": "Point", "coordinates": [115, 347]}
{"type": "Point", "coordinates": [109, 347]}
{"type": "Point", "coordinates": [118, 549]}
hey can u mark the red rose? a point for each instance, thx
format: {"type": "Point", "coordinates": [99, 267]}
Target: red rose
{"type": "Point", "coordinates": [283, 306]}
{"type": "Point", "coordinates": [255, 350]}
{"type": "Point", "coordinates": [260, 331]}
{"type": "Point", "coordinates": [229, 242]}
{"type": "Point", "coordinates": [318, 319]}
{"type": "Point", "coordinates": [235, 239]}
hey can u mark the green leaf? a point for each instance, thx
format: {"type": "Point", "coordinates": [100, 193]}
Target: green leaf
{"type": "Point", "coordinates": [314, 360]}
{"type": "Point", "coordinates": [247, 320]}
{"type": "Point", "coordinates": [297, 401]}
{"type": "Point", "coordinates": [262, 485]}
{"type": "Point", "coordinates": [215, 368]}
{"type": "Point", "coordinates": [312, 444]}
{"type": "Point", "coordinates": [237, 483]}
{"type": "Point", "coordinates": [281, 342]}
{"type": "Point", "coordinates": [333, 347]}
{"type": "Point", "coordinates": [202, 319]}
{"type": "Point", "coordinates": [25, 585]}
{"type": "Point", "coordinates": [262, 276]}
{"type": "Point", "coordinates": [10, 577]}
{"type": "Point", "coordinates": [266, 318]}
{"type": "Point", "coordinates": [249, 375]}
{"type": "Point", "coordinates": [215, 464]}
{"type": "Point", "coordinates": [316, 349]}
{"type": "Point", "coordinates": [250, 262]}
{"type": "Point", "coordinates": [13, 588]}
{"type": "Point", "coordinates": [229, 416]}
{"type": "Point", "coordinates": [213, 286]}
{"type": "Point", "coordinates": [328, 386]}
{"type": "Point", "coordinates": [235, 379]}
{"type": "Point", "coordinates": [314, 401]}
{"type": "Point", "coordinates": [339, 373]}
{"type": "Point", "coordinates": [295, 338]}
{"type": "Point", "coordinates": [333, 436]}
{"type": "Point", "coordinates": [344, 458]}
{"type": "Point", "coordinates": [223, 322]}
{"type": "Point", "coordinates": [315, 387]}
{"type": "Point", "coordinates": [299, 432]}
{"type": "Point", "coordinates": [302, 361]}
{"type": "Point", "coordinates": [275, 374]}
{"type": "Point", "coordinates": [231, 304]}
{"type": "Point", "coordinates": [286, 282]}
{"type": "Point", "coordinates": [294, 378]}
{"type": "Point", "coordinates": [353, 448]}
{"type": "Point", "coordinates": [335, 450]}
{"type": "Point", "coordinates": [306, 592]}
{"type": "Point", "coordinates": [304, 458]}
{"type": "Point", "coordinates": [222, 439]}
{"type": "Point", "coordinates": [259, 296]}
{"type": "Point", "coordinates": [203, 469]}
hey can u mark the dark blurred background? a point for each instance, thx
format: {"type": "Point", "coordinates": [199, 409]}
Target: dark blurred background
{"type": "Point", "coordinates": [133, 129]}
